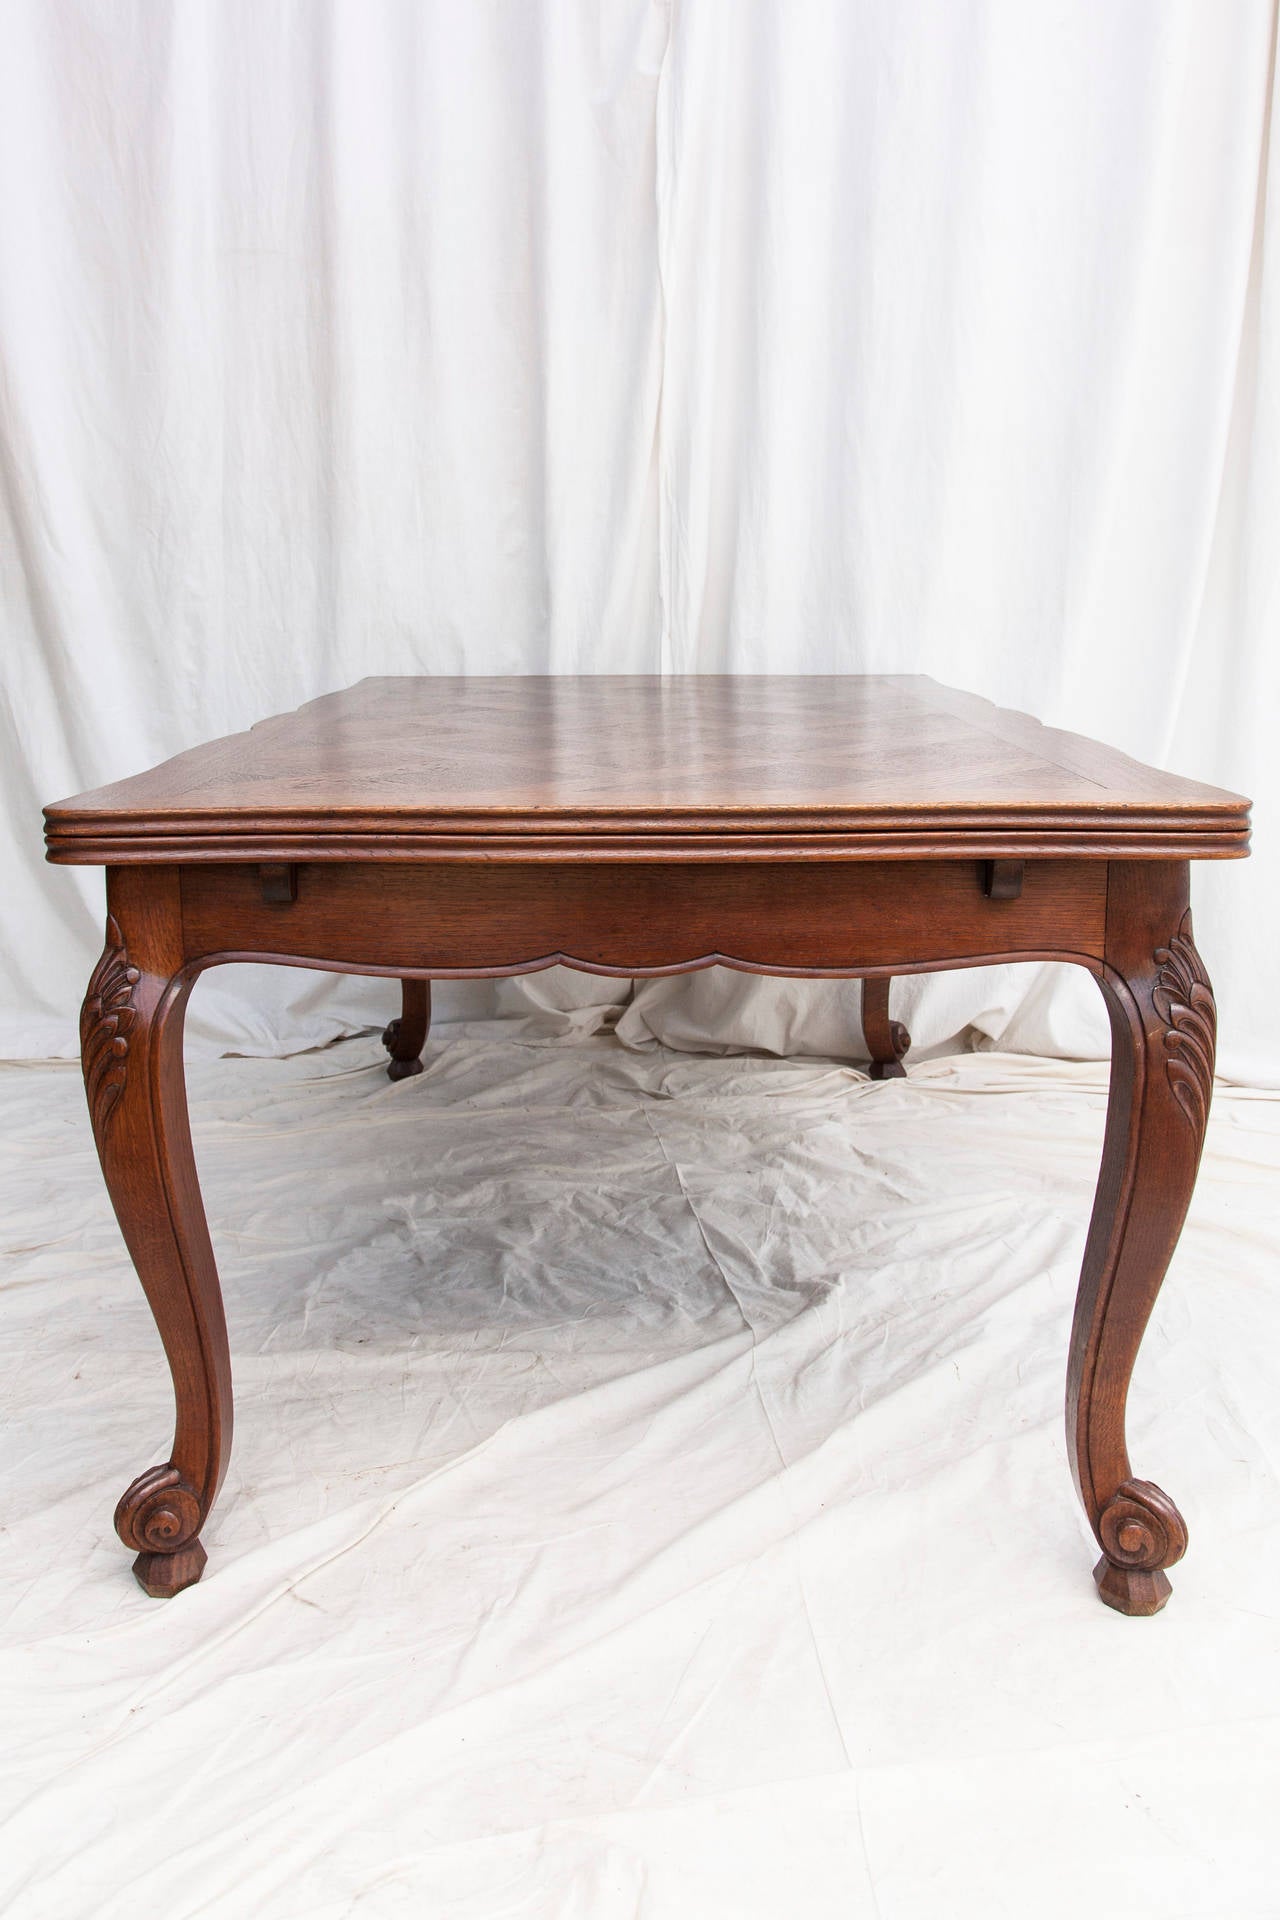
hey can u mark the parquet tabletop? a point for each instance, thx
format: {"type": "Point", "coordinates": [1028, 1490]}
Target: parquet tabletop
{"type": "Point", "coordinates": [852, 765]}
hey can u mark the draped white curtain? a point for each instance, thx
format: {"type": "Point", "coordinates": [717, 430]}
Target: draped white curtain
{"type": "Point", "coordinates": [607, 335]}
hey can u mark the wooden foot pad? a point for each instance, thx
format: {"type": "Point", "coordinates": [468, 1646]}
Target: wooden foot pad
{"type": "Point", "coordinates": [1133, 1590]}
{"type": "Point", "coordinates": [163, 1574]}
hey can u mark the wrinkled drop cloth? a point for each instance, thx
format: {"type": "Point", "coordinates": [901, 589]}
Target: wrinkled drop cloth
{"type": "Point", "coordinates": [649, 1498]}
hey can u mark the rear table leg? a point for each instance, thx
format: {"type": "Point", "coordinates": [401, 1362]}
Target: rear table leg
{"type": "Point", "coordinates": [887, 1040]}
{"type": "Point", "coordinates": [405, 1038]}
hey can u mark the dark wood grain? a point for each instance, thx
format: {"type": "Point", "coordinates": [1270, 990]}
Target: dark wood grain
{"type": "Point", "coordinates": [823, 828]}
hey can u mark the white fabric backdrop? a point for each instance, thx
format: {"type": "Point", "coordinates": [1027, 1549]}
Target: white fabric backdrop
{"type": "Point", "coordinates": [607, 335]}
{"type": "Point", "coordinates": [649, 1502]}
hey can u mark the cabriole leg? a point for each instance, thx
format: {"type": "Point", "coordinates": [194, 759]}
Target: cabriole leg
{"type": "Point", "coordinates": [131, 1043]}
{"type": "Point", "coordinates": [405, 1038]}
{"type": "Point", "coordinates": [1163, 1029]}
{"type": "Point", "coordinates": [887, 1040]}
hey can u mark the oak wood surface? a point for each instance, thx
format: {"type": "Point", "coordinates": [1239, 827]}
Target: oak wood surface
{"type": "Point", "coordinates": [607, 766]}
{"type": "Point", "coordinates": [849, 828]}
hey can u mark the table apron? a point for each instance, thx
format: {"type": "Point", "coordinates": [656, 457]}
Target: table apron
{"type": "Point", "coordinates": [490, 917]}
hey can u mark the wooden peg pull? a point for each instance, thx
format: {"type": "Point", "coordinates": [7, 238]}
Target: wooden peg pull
{"type": "Point", "coordinates": [279, 884]}
{"type": "Point", "coordinates": [1002, 879]}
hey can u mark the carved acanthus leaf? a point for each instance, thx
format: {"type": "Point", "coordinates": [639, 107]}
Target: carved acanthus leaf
{"type": "Point", "coordinates": [1183, 998]}
{"type": "Point", "coordinates": [106, 1020]}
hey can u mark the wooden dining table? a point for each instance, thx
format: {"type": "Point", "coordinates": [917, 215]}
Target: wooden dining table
{"type": "Point", "coordinates": [856, 827]}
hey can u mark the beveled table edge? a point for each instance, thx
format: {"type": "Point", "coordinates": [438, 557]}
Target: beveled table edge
{"type": "Point", "coordinates": [1109, 835]}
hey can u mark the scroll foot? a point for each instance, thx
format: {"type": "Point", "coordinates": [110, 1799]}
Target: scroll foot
{"type": "Point", "coordinates": [1142, 1533]}
{"type": "Point", "coordinates": [160, 1514]}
